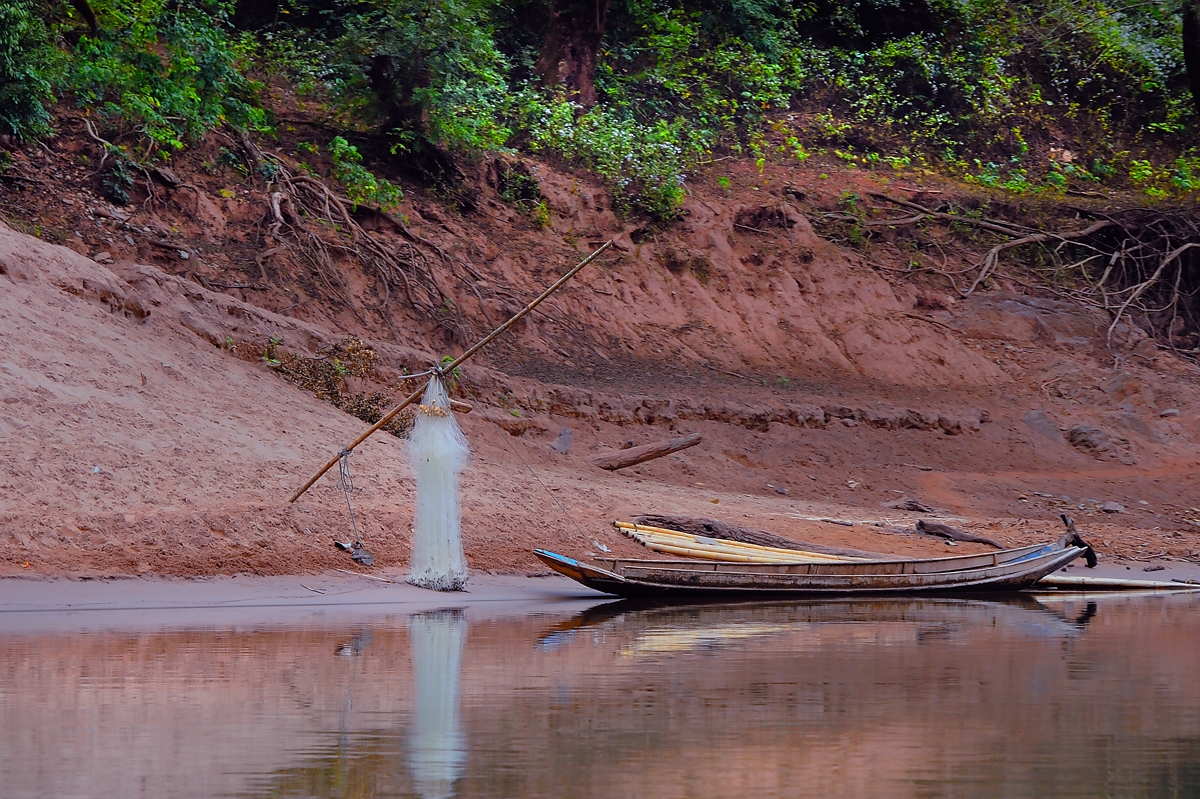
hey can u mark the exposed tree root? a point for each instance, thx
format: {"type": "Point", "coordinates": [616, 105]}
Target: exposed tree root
{"type": "Point", "coordinates": [1138, 264]}
{"type": "Point", "coordinates": [308, 219]}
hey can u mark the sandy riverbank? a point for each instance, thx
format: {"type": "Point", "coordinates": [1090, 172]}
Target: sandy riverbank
{"type": "Point", "coordinates": [64, 604]}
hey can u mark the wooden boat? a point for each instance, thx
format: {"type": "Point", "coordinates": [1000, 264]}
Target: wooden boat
{"type": "Point", "coordinates": [1004, 570]}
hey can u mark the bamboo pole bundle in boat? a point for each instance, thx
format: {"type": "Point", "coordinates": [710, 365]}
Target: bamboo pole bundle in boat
{"type": "Point", "coordinates": [705, 552]}
{"type": "Point", "coordinates": [676, 543]}
{"type": "Point", "coordinates": [654, 538]}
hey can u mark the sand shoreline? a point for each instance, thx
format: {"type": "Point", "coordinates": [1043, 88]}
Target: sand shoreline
{"type": "Point", "coordinates": [40, 603]}
{"type": "Point", "coordinates": [50, 604]}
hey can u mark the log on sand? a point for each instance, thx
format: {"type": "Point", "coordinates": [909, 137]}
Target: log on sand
{"type": "Point", "coordinates": [954, 534]}
{"type": "Point", "coordinates": [635, 455]}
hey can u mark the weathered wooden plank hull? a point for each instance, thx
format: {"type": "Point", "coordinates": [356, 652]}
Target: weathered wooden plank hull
{"type": "Point", "coordinates": [686, 579]}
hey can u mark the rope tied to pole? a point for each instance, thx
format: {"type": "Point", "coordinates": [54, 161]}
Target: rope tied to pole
{"type": "Point", "coordinates": [346, 484]}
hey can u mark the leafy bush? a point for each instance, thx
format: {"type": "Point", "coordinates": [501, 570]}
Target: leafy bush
{"type": "Point", "coordinates": [876, 83]}
{"type": "Point", "coordinates": [172, 74]}
{"type": "Point", "coordinates": [644, 163]}
{"type": "Point", "coordinates": [361, 185]}
{"type": "Point", "coordinates": [435, 68]}
{"type": "Point", "coordinates": [27, 64]}
{"type": "Point", "coordinates": [674, 69]}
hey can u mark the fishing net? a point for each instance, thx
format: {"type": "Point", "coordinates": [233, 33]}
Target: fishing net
{"type": "Point", "coordinates": [438, 451]}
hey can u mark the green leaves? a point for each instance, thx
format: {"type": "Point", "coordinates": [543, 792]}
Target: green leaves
{"type": "Point", "coordinates": [27, 66]}
{"type": "Point", "coordinates": [361, 185]}
{"type": "Point", "coordinates": [643, 163]}
{"type": "Point", "coordinates": [171, 75]}
{"type": "Point", "coordinates": [435, 68]}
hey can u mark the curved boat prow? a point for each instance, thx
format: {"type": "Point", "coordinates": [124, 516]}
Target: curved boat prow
{"type": "Point", "coordinates": [585, 573]}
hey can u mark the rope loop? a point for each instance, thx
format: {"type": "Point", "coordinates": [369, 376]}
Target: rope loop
{"type": "Point", "coordinates": [346, 484]}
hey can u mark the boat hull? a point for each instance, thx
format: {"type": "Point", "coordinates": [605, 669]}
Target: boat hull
{"type": "Point", "coordinates": [631, 578]}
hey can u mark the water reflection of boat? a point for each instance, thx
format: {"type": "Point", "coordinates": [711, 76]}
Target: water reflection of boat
{"type": "Point", "coordinates": [652, 628]}
{"type": "Point", "coordinates": [1006, 570]}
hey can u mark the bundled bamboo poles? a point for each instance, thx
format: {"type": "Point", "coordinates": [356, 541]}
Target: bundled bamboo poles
{"type": "Point", "coordinates": [673, 542]}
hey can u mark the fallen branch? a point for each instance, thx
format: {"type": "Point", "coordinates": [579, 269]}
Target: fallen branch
{"type": "Point", "coordinates": [994, 225]}
{"type": "Point", "coordinates": [611, 461]}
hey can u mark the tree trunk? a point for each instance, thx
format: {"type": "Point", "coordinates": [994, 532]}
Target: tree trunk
{"type": "Point", "coordinates": [254, 14]}
{"type": "Point", "coordinates": [571, 47]}
{"type": "Point", "coordinates": [88, 15]}
{"type": "Point", "coordinates": [1191, 47]}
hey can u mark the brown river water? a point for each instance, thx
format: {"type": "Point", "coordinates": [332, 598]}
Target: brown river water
{"type": "Point", "coordinates": [1031, 697]}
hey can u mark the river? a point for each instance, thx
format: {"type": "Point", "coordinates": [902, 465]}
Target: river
{"type": "Point", "coordinates": [1057, 696]}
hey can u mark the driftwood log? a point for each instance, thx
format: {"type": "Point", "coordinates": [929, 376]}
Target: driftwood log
{"type": "Point", "coordinates": [954, 534]}
{"type": "Point", "coordinates": [1072, 538]}
{"type": "Point", "coordinates": [731, 532]}
{"type": "Point", "coordinates": [635, 455]}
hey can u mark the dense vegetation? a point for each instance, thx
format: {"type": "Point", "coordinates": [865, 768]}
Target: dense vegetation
{"type": "Point", "coordinates": [1026, 95]}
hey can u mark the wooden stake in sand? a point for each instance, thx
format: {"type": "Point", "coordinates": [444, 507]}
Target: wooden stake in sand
{"type": "Point", "coordinates": [420, 392]}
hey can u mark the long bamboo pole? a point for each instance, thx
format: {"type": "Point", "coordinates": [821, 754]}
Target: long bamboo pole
{"type": "Point", "coordinates": [416, 395]}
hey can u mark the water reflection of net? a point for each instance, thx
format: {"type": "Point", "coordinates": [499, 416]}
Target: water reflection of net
{"type": "Point", "coordinates": [435, 747]}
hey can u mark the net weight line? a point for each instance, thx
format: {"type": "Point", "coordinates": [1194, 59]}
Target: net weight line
{"type": "Point", "coordinates": [357, 551]}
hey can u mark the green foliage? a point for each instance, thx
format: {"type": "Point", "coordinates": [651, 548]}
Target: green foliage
{"type": "Point", "coordinates": [1141, 172]}
{"type": "Point", "coordinates": [520, 187]}
{"type": "Point", "coordinates": [1185, 176]}
{"type": "Point", "coordinates": [973, 64]}
{"type": "Point", "coordinates": [718, 84]}
{"type": "Point", "coordinates": [27, 66]}
{"type": "Point", "coordinates": [168, 71]}
{"type": "Point", "coordinates": [117, 179]}
{"type": "Point", "coordinates": [644, 163]}
{"type": "Point", "coordinates": [435, 68]}
{"type": "Point", "coordinates": [361, 185]}
{"type": "Point", "coordinates": [877, 84]}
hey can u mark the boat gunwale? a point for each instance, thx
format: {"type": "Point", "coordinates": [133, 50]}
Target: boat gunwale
{"type": "Point", "coordinates": [979, 560]}
{"type": "Point", "coordinates": [907, 579]}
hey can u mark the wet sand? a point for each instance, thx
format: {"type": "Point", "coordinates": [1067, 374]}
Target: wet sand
{"type": "Point", "coordinates": [62, 604]}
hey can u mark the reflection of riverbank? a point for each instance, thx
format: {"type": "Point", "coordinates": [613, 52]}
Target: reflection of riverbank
{"type": "Point", "coordinates": [928, 697]}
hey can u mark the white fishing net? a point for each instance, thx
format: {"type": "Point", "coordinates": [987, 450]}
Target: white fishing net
{"type": "Point", "coordinates": [438, 451]}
